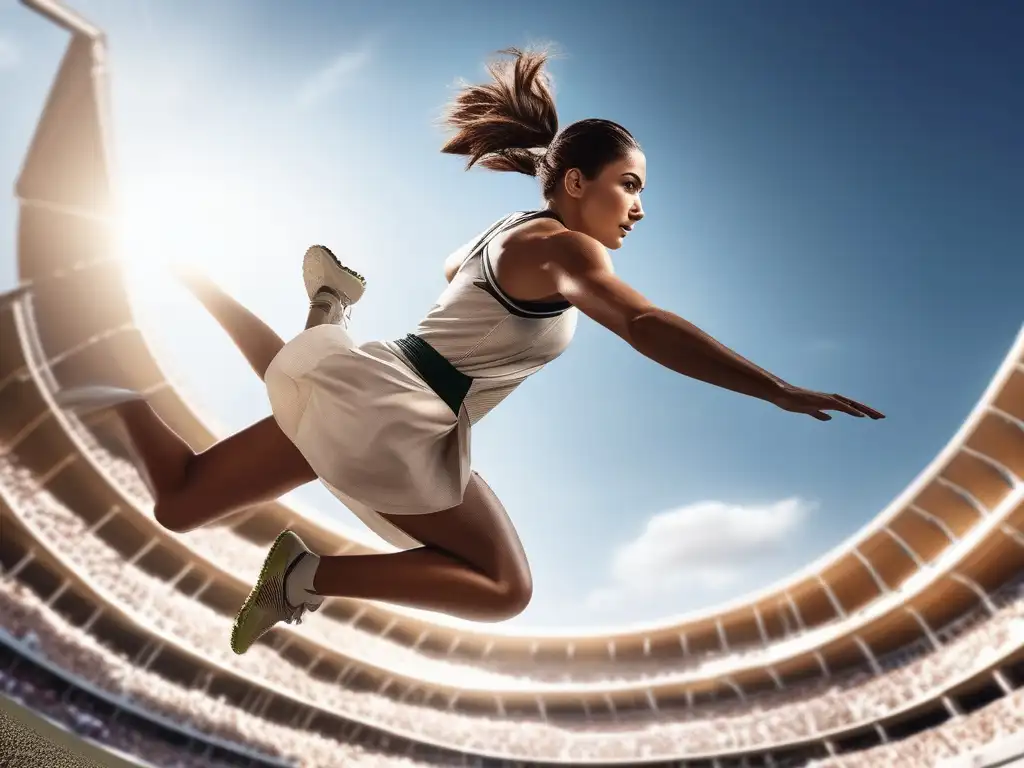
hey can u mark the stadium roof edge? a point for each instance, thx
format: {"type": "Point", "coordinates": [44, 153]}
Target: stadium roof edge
{"type": "Point", "coordinates": [65, 17]}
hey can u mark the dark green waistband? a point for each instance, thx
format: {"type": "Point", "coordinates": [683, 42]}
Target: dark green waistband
{"type": "Point", "coordinates": [449, 383]}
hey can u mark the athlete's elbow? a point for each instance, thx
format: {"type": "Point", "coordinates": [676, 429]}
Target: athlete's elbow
{"type": "Point", "coordinates": [640, 324]}
{"type": "Point", "coordinates": [668, 340]}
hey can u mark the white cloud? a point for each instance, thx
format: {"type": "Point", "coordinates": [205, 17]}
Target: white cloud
{"type": "Point", "coordinates": [709, 544]}
{"type": "Point", "coordinates": [10, 55]}
{"type": "Point", "coordinates": [332, 76]}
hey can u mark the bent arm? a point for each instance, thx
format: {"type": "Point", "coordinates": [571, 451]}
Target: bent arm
{"type": "Point", "coordinates": [583, 275]}
{"type": "Point", "coordinates": [454, 262]}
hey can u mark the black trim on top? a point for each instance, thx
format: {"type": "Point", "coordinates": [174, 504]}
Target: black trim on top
{"type": "Point", "coordinates": [486, 236]}
{"type": "Point", "coordinates": [518, 307]}
{"type": "Point", "coordinates": [447, 382]}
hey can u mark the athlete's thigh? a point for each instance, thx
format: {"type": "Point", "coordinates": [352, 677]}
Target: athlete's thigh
{"type": "Point", "coordinates": [255, 465]}
{"type": "Point", "coordinates": [477, 531]}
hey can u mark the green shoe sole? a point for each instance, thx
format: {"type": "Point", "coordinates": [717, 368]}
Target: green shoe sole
{"type": "Point", "coordinates": [274, 561]}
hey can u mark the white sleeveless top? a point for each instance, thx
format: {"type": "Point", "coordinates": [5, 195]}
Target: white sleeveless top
{"type": "Point", "coordinates": [372, 428]}
{"type": "Point", "coordinates": [489, 336]}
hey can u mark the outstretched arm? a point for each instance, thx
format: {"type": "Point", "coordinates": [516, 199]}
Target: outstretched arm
{"type": "Point", "coordinates": [582, 274]}
{"type": "Point", "coordinates": [256, 340]}
{"type": "Point", "coordinates": [581, 271]}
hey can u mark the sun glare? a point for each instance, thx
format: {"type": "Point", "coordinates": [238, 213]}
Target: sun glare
{"type": "Point", "coordinates": [238, 230]}
{"type": "Point", "coordinates": [168, 219]}
{"type": "Point", "coordinates": [219, 224]}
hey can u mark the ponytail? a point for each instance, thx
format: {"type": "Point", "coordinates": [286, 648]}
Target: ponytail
{"type": "Point", "coordinates": [503, 125]}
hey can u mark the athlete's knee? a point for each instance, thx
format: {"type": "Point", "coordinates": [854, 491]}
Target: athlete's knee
{"type": "Point", "coordinates": [520, 593]}
{"type": "Point", "coordinates": [171, 514]}
{"type": "Point", "coordinates": [511, 596]}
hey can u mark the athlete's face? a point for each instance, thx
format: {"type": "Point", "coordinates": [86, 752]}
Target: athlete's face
{"type": "Point", "coordinates": [609, 205]}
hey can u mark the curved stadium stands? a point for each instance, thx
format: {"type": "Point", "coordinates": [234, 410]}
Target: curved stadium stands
{"type": "Point", "coordinates": [902, 646]}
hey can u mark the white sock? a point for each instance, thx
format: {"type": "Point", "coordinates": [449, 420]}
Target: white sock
{"type": "Point", "coordinates": [298, 587]}
{"type": "Point", "coordinates": [330, 304]}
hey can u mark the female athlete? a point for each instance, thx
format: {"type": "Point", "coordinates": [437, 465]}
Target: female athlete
{"type": "Point", "coordinates": [386, 425]}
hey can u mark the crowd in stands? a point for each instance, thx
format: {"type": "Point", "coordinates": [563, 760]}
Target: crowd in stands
{"type": "Point", "coordinates": [957, 736]}
{"type": "Point", "coordinates": [43, 632]}
{"type": "Point", "coordinates": [796, 713]}
{"type": "Point", "coordinates": [142, 746]}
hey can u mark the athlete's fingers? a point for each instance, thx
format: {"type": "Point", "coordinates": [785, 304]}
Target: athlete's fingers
{"type": "Point", "coordinates": [837, 403]}
{"type": "Point", "coordinates": [870, 412]}
{"type": "Point", "coordinates": [813, 403]}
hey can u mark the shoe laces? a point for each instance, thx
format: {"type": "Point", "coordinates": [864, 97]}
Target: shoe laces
{"type": "Point", "coordinates": [299, 610]}
{"type": "Point", "coordinates": [333, 303]}
{"type": "Point", "coordinates": [296, 615]}
{"type": "Point", "coordinates": [346, 316]}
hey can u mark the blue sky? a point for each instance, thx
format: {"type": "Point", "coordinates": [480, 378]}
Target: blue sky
{"type": "Point", "coordinates": [832, 192]}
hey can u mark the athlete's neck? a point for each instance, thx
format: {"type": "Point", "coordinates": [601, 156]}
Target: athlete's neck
{"type": "Point", "coordinates": [564, 216]}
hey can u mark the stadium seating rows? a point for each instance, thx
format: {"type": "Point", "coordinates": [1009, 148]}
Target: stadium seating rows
{"type": "Point", "coordinates": [790, 715]}
{"type": "Point", "coordinates": [243, 558]}
{"type": "Point", "coordinates": [41, 630]}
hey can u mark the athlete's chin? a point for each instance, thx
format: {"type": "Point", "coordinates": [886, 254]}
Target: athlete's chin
{"type": "Point", "coordinates": [613, 243]}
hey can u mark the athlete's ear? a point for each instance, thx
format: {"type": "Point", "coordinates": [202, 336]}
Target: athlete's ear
{"type": "Point", "coordinates": [574, 182]}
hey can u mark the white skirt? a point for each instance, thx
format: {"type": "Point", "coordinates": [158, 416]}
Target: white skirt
{"type": "Point", "coordinates": [376, 435]}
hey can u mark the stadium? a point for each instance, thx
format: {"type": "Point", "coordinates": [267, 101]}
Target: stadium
{"type": "Point", "coordinates": [903, 646]}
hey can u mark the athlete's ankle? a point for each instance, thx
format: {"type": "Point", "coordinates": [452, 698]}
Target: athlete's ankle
{"type": "Point", "coordinates": [298, 585]}
{"type": "Point", "coordinates": [326, 308]}
{"type": "Point", "coordinates": [317, 316]}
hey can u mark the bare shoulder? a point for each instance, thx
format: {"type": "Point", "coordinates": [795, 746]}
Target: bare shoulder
{"type": "Point", "coordinates": [529, 260]}
{"type": "Point", "coordinates": [525, 236]}
{"type": "Point", "coordinates": [546, 243]}
{"type": "Point", "coordinates": [521, 241]}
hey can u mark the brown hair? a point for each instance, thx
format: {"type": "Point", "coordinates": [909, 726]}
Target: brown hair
{"type": "Point", "coordinates": [506, 125]}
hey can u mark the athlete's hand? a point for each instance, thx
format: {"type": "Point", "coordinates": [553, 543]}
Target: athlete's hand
{"type": "Point", "coordinates": [797, 400]}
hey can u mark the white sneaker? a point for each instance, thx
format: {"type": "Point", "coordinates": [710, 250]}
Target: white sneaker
{"type": "Point", "coordinates": [266, 605]}
{"type": "Point", "coordinates": [328, 280]}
